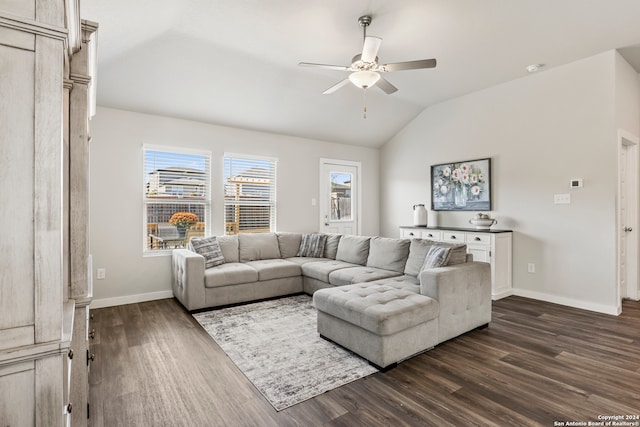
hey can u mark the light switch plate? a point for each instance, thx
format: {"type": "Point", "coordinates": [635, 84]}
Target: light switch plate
{"type": "Point", "coordinates": [562, 199]}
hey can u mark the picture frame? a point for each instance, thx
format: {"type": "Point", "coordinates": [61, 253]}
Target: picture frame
{"type": "Point", "coordinates": [461, 186]}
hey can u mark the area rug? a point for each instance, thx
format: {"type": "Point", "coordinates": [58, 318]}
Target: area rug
{"type": "Point", "coordinates": [276, 345]}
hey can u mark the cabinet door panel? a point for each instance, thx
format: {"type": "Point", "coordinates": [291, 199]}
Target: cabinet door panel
{"type": "Point", "coordinates": [17, 391]}
{"type": "Point", "coordinates": [479, 254]}
{"type": "Point", "coordinates": [17, 178]}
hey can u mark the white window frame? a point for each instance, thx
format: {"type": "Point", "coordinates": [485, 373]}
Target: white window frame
{"type": "Point", "coordinates": [273, 187]}
{"type": "Point", "coordinates": [205, 202]}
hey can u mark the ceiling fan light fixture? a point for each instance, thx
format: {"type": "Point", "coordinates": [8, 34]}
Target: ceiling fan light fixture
{"type": "Point", "coordinates": [364, 79]}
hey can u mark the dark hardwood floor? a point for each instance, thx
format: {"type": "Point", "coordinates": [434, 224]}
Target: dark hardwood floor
{"type": "Point", "coordinates": [536, 364]}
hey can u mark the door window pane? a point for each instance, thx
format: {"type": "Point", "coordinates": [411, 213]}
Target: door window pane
{"type": "Point", "coordinates": [341, 196]}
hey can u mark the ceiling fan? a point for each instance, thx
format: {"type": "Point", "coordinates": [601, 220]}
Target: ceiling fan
{"type": "Point", "coordinates": [365, 69]}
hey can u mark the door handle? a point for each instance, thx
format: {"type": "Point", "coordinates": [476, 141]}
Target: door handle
{"type": "Point", "coordinates": [628, 229]}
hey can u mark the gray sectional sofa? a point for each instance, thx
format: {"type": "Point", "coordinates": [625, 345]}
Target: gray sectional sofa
{"type": "Point", "coordinates": [372, 293]}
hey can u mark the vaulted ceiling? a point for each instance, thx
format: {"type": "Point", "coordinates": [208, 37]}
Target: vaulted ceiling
{"type": "Point", "coordinates": [234, 62]}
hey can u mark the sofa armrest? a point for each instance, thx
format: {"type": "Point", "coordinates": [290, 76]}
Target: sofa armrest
{"type": "Point", "coordinates": [464, 294]}
{"type": "Point", "coordinates": [188, 278]}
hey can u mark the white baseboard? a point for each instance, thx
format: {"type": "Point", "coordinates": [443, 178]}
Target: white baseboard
{"type": "Point", "coordinates": [130, 299]}
{"type": "Point", "coordinates": [570, 302]}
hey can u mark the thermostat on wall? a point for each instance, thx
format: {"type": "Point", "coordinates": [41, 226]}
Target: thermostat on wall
{"type": "Point", "coordinates": [576, 183]}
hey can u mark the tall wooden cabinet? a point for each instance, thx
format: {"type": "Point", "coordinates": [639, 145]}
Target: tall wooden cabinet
{"type": "Point", "coordinates": [46, 63]}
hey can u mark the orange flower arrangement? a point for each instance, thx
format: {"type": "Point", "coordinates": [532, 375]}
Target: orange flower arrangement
{"type": "Point", "coordinates": [183, 219]}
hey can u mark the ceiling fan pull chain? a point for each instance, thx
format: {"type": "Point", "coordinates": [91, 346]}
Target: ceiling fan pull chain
{"type": "Point", "coordinates": [364, 101]}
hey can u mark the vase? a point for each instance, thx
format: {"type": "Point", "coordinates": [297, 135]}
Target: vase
{"type": "Point", "coordinates": [182, 232]}
{"type": "Point", "coordinates": [460, 196]}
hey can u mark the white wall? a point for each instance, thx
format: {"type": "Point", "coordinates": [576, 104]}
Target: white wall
{"type": "Point", "coordinates": [116, 191]}
{"type": "Point", "coordinates": [540, 131]}
{"type": "Point", "coordinates": [627, 94]}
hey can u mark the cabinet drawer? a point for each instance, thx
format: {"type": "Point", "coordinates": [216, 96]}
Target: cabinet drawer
{"type": "Point", "coordinates": [408, 233]}
{"type": "Point", "coordinates": [478, 238]}
{"type": "Point", "coordinates": [453, 236]}
{"type": "Point", "coordinates": [431, 235]}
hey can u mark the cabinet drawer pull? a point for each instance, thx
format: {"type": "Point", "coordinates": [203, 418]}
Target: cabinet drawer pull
{"type": "Point", "coordinates": [69, 408]}
{"type": "Point", "coordinates": [430, 235]}
{"type": "Point", "coordinates": [70, 355]}
{"type": "Point", "coordinates": [453, 237]}
{"type": "Point", "coordinates": [477, 239]}
{"type": "Point", "coordinates": [92, 334]}
{"type": "Point", "coordinates": [411, 234]}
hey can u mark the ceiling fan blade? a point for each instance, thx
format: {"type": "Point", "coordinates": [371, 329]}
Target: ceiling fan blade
{"type": "Point", "coordinates": [370, 48]}
{"type": "Point", "coordinates": [336, 86]}
{"type": "Point", "coordinates": [387, 87]}
{"type": "Point", "coordinates": [410, 65]}
{"type": "Point", "coordinates": [327, 66]}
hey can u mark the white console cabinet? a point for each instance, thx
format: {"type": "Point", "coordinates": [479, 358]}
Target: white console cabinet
{"type": "Point", "coordinates": [492, 246]}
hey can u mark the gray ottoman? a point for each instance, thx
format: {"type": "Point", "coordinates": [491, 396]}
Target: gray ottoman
{"type": "Point", "coordinates": [383, 324]}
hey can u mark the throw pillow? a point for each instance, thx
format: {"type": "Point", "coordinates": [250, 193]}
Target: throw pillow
{"type": "Point", "coordinates": [312, 245]}
{"type": "Point", "coordinates": [436, 257]}
{"type": "Point", "coordinates": [458, 252]}
{"type": "Point", "coordinates": [209, 248]}
{"type": "Point", "coordinates": [331, 247]}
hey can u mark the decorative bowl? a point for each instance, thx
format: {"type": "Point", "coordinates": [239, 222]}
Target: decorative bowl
{"type": "Point", "coordinates": [483, 223]}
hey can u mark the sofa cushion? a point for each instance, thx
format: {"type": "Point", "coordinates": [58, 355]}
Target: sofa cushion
{"type": "Point", "coordinates": [320, 270]}
{"type": "Point", "coordinates": [406, 282]}
{"type": "Point", "coordinates": [353, 249]}
{"type": "Point", "coordinates": [331, 246]}
{"type": "Point", "coordinates": [358, 274]}
{"type": "Point", "coordinates": [274, 268]}
{"type": "Point", "coordinates": [417, 253]}
{"type": "Point", "coordinates": [304, 259]}
{"type": "Point", "coordinates": [380, 309]}
{"type": "Point", "coordinates": [229, 248]}
{"type": "Point", "coordinates": [312, 245]}
{"type": "Point", "coordinates": [419, 248]}
{"type": "Point", "coordinates": [436, 257]}
{"type": "Point", "coordinates": [209, 248]}
{"type": "Point", "coordinates": [255, 246]}
{"type": "Point", "coordinates": [388, 254]}
{"type": "Point", "coordinates": [458, 253]}
{"type": "Point", "coordinates": [289, 243]}
{"type": "Point", "coordinates": [230, 273]}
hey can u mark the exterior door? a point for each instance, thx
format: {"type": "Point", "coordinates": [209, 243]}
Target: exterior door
{"type": "Point", "coordinates": [628, 218]}
{"type": "Point", "coordinates": [339, 196]}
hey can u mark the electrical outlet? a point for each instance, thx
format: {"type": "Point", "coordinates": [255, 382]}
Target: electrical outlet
{"type": "Point", "coordinates": [101, 273]}
{"type": "Point", "coordinates": [531, 268]}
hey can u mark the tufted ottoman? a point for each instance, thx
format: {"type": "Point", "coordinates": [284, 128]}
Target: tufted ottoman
{"type": "Point", "coordinates": [381, 323]}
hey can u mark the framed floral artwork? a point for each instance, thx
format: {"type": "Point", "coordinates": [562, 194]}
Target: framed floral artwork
{"type": "Point", "coordinates": [461, 186]}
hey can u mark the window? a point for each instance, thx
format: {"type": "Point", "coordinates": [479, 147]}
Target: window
{"type": "Point", "coordinates": [175, 182]}
{"type": "Point", "coordinates": [341, 196]}
{"type": "Point", "coordinates": [249, 194]}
